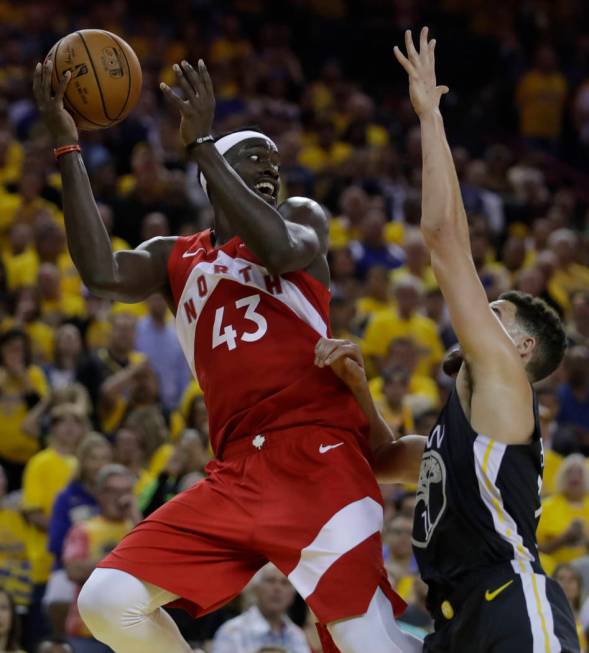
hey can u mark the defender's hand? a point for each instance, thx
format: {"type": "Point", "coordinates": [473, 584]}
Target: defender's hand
{"type": "Point", "coordinates": [421, 68]}
{"type": "Point", "coordinates": [59, 122]}
{"type": "Point", "coordinates": [198, 109]}
{"type": "Point", "coordinates": [344, 358]}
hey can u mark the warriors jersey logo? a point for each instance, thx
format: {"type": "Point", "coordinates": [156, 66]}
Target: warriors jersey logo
{"type": "Point", "coordinates": [431, 498]}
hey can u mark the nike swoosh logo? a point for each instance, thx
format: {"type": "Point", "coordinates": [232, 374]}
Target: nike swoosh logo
{"type": "Point", "coordinates": [324, 448]}
{"type": "Point", "coordinates": [189, 254]}
{"type": "Point", "coordinates": [490, 596]}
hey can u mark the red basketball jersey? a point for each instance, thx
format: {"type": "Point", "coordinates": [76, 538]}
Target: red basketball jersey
{"type": "Point", "coordinates": [249, 338]}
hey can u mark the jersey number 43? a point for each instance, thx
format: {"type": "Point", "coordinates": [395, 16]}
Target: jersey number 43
{"type": "Point", "coordinates": [228, 335]}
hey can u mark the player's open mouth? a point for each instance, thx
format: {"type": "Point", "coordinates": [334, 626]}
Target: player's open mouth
{"type": "Point", "coordinates": [267, 189]}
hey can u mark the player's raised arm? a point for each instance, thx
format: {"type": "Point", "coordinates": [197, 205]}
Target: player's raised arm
{"type": "Point", "coordinates": [395, 461]}
{"type": "Point", "coordinates": [127, 275]}
{"type": "Point", "coordinates": [492, 356]}
{"type": "Point", "coordinates": [281, 246]}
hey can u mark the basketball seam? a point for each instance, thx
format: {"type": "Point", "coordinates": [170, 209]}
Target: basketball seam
{"type": "Point", "coordinates": [95, 77]}
{"type": "Point", "coordinates": [65, 98]}
{"type": "Point", "coordinates": [115, 41]}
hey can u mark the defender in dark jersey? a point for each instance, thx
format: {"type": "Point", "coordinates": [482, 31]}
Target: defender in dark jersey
{"type": "Point", "coordinates": [478, 498]}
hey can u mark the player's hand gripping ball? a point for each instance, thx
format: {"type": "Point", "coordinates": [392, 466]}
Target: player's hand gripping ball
{"type": "Point", "coordinates": [105, 77]}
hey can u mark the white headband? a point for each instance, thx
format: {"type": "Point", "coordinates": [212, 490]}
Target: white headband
{"type": "Point", "coordinates": [225, 143]}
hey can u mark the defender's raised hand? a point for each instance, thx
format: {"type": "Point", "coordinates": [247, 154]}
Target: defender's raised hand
{"type": "Point", "coordinates": [58, 121]}
{"type": "Point", "coordinates": [421, 68]}
{"type": "Point", "coordinates": [197, 110]}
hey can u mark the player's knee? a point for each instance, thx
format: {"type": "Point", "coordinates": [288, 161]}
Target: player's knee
{"type": "Point", "coordinates": [105, 599]}
{"type": "Point", "coordinates": [93, 603]}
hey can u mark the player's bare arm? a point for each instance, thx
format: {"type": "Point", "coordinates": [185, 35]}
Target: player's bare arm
{"type": "Point", "coordinates": [282, 246]}
{"type": "Point", "coordinates": [128, 276]}
{"type": "Point", "coordinates": [395, 461]}
{"type": "Point", "coordinates": [494, 360]}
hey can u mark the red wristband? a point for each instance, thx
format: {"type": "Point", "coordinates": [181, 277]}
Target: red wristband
{"type": "Point", "coordinates": [58, 152]}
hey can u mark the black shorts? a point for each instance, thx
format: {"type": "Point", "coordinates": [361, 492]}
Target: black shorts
{"type": "Point", "coordinates": [513, 613]}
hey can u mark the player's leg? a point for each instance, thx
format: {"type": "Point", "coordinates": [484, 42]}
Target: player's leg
{"type": "Point", "coordinates": [378, 627]}
{"type": "Point", "coordinates": [324, 534]}
{"type": "Point", "coordinates": [193, 552]}
{"type": "Point", "coordinates": [126, 614]}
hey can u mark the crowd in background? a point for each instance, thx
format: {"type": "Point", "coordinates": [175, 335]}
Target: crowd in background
{"type": "Point", "coordinates": [100, 422]}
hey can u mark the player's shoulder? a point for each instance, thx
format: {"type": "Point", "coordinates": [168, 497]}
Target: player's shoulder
{"type": "Point", "coordinates": [161, 245]}
{"type": "Point", "coordinates": [304, 210]}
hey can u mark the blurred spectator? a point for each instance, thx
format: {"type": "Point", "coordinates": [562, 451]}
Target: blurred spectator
{"type": "Point", "coordinates": [548, 410]}
{"type": "Point", "coordinates": [154, 225]}
{"type": "Point", "coordinates": [66, 358]}
{"type": "Point", "coordinates": [377, 293]}
{"type": "Point", "coordinates": [578, 326]}
{"type": "Point", "coordinates": [371, 248]}
{"type": "Point", "coordinates": [266, 623]}
{"type": "Point", "coordinates": [15, 568]}
{"type": "Point", "coordinates": [75, 503]}
{"type": "Point", "coordinates": [541, 94]}
{"type": "Point", "coordinates": [156, 338]}
{"type": "Point", "coordinates": [564, 523]}
{"type": "Point", "coordinates": [45, 476]}
{"type": "Point", "coordinates": [118, 359]}
{"type": "Point", "coordinates": [89, 541]}
{"type": "Point", "coordinates": [399, 560]}
{"type": "Point", "coordinates": [184, 468]}
{"type": "Point", "coordinates": [22, 385]}
{"type": "Point", "coordinates": [393, 406]}
{"type": "Point", "coordinates": [417, 261]}
{"type": "Point", "coordinates": [569, 275]}
{"type": "Point", "coordinates": [9, 624]}
{"type": "Point", "coordinates": [404, 321]}
{"type": "Point", "coordinates": [354, 205]}
{"type": "Point", "coordinates": [572, 584]}
{"type": "Point", "coordinates": [326, 153]}
{"type": "Point", "coordinates": [573, 396]}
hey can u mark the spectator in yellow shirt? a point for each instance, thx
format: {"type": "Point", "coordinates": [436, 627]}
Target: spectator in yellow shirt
{"type": "Point", "coordinates": [377, 296]}
{"type": "Point", "coordinates": [417, 262]}
{"type": "Point", "coordinates": [354, 205]}
{"type": "Point", "coordinates": [22, 386]}
{"type": "Point", "coordinates": [15, 568]}
{"type": "Point", "coordinates": [45, 476]}
{"type": "Point", "coordinates": [50, 246]}
{"type": "Point", "coordinates": [55, 305]}
{"type": "Point", "coordinates": [327, 153]}
{"type": "Point", "coordinates": [404, 321]}
{"type": "Point", "coordinates": [399, 561]}
{"type": "Point", "coordinates": [540, 97]}
{"type": "Point", "coordinates": [423, 390]}
{"type": "Point", "coordinates": [563, 529]}
{"type": "Point", "coordinates": [569, 275]}
{"type": "Point", "coordinates": [393, 406]}
{"type": "Point", "coordinates": [19, 257]}
{"type": "Point", "coordinates": [27, 316]}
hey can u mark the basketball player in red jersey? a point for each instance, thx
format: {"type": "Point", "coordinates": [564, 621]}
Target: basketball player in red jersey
{"type": "Point", "coordinates": [291, 482]}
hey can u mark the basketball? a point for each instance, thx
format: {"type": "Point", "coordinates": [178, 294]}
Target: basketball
{"type": "Point", "coordinates": [106, 77]}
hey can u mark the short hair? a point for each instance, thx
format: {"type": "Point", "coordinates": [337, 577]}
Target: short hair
{"type": "Point", "coordinates": [541, 321]}
{"type": "Point", "coordinates": [14, 333]}
{"type": "Point", "coordinates": [572, 460]}
{"type": "Point", "coordinates": [112, 469]}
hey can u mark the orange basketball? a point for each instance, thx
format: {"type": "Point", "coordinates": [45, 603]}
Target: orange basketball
{"type": "Point", "coordinates": [106, 77]}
